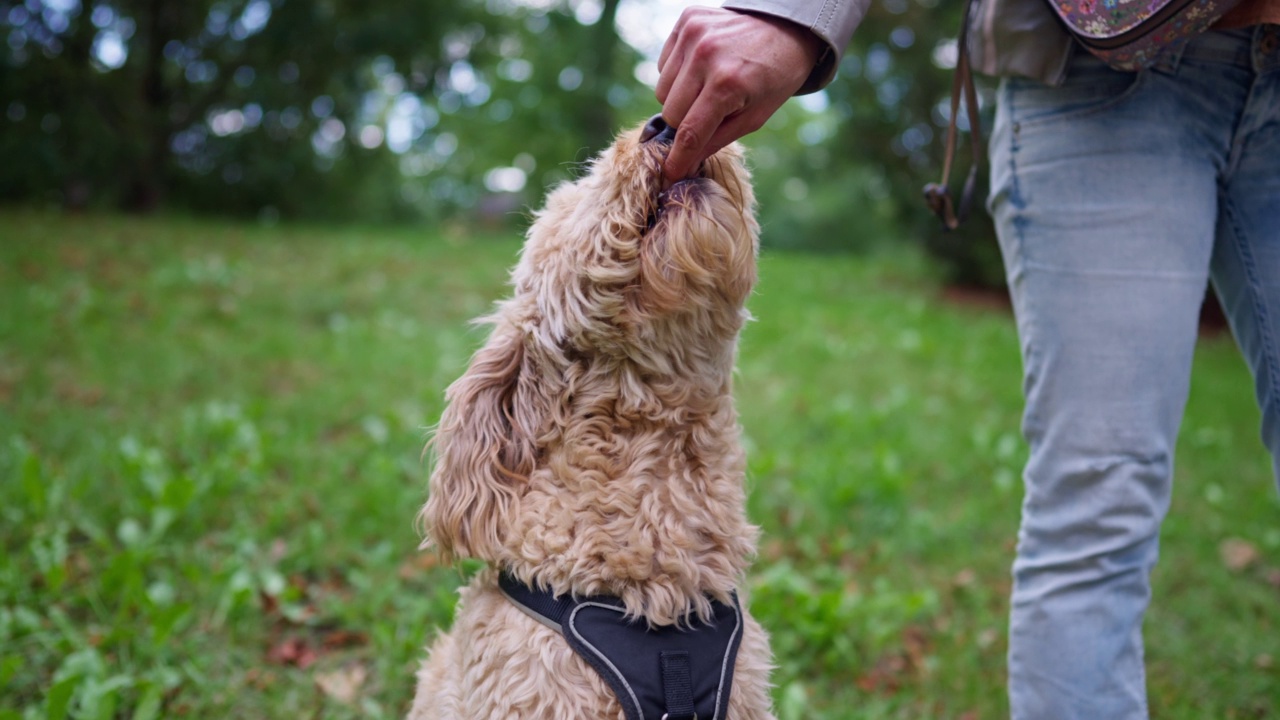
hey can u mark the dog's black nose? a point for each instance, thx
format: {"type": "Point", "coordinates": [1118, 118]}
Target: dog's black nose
{"type": "Point", "coordinates": [658, 129]}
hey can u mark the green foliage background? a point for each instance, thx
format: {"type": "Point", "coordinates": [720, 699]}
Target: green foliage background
{"type": "Point", "coordinates": [264, 108]}
{"type": "Point", "coordinates": [210, 428]}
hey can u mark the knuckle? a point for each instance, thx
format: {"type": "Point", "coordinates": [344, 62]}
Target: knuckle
{"type": "Point", "coordinates": [706, 51]}
{"type": "Point", "coordinates": [725, 73]}
{"type": "Point", "coordinates": [729, 93]}
{"type": "Point", "coordinates": [731, 84]}
{"type": "Point", "coordinates": [692, 23]}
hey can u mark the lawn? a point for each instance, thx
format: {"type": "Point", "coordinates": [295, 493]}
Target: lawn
{"type": "Point", "coordinates": [210, 463]}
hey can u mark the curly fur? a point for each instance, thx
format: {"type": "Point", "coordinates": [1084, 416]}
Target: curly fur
{"type": "Point", "coordinates": [592, 446]}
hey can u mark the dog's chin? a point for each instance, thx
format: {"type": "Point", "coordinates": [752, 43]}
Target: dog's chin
{"type": "Point", "coordinates": [678, 197]}
{"type": "Point", "coordinates": [700, 248]}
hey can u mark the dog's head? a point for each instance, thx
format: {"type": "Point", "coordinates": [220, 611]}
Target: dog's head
{"type": "Point", "coordinates": [622, 273]}
{"type": "Point", "coordinates": [621, 254]}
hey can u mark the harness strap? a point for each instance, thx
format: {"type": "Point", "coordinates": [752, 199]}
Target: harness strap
{"type": "Point", "coordinates": [547, 609]}
{"type": "Point", "coordinates": [677, 686]}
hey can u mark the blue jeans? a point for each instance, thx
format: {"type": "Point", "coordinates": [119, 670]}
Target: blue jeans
{"type": "Point", "coordinates": [1117, 198]}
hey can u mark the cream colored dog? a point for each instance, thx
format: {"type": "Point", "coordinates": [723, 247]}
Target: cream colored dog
{"type": "Point", "coordinates": [592, 446]}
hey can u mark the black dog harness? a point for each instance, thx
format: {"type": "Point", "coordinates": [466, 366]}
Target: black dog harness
{"type": "Point", "coordinates": [664, 673]}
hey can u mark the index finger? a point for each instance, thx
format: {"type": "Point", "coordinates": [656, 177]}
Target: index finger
{"type": "Point", "coordinates": [693, 133]}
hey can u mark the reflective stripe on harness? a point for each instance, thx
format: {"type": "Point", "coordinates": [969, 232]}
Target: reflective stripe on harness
{"type": "Point", "coordinates": [664, 673]}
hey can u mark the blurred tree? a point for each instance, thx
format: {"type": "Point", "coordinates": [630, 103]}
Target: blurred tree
{"type": "Point", "coordinates": [303, 107]}
{"type": "Point", "coordinates": [128, 94]}
{"type": "Point", "coordinates": [601, 65]}
{"type": "Point", "coordinates": [558, 91]}
{"type": "Point", "coordinates": [387, 109]}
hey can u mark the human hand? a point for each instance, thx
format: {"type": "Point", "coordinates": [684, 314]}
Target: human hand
{"type": "Point", "coordinates": [723, 74]}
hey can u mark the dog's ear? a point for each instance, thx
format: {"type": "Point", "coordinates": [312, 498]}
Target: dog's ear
{"type": "Point", "coordinates": [485, 449]}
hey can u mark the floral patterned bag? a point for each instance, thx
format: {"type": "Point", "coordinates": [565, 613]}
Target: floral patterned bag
{"type": "Point", "coordinates": [1131, 34]}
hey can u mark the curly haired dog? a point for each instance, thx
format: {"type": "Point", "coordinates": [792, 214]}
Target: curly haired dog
{"type": "Point", "coordinates": [592, 446]}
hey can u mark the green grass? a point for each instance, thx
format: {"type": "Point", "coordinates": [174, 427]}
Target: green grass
{"type": "Point", "coordinates": [210, 442]}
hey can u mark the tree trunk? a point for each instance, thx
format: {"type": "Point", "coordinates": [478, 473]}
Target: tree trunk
{"type": "Point", "coordinates": [146, 186]}
{"type": "Point", "coordinates": [598, 120]}
{"type": "Point", "coordinates": [78, 86]}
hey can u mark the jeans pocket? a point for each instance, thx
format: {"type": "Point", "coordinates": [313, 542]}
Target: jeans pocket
{"type": "Point", "coordinates": [1090, 87]}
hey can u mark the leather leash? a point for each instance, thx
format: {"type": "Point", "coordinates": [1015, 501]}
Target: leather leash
{"type": "Point", "coordinates": [937, 195]}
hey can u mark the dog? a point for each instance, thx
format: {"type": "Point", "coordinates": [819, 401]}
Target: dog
{"type": "Point", "coordinates": [592, 448]}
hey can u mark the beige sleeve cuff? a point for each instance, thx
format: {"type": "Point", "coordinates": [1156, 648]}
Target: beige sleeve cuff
{"type": "Point", "coordinates": [833, 21]}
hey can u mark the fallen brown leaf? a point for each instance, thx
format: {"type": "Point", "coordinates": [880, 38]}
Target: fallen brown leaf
{"type": "Point", "coordinates": [73, 258]}
{"type": "Point", "coordinates": [773, 550]}
{"type": "Point", "coordinates": [417, 564]}
{"type": "Point", "coordinates": [270, 605]}
{"type": "Point", "coordinates": [259, 679]}
{"type": "Point", "coordinates": [86, 395]}
{"type": "Point", "coordinates": [987, 638]}
{"type": "Point", "coordinates": [1238, 554]}
{"type": "Point", "coordinates": [343, 684]}
{"type": "Point", "coordinates": [895, 669]}
{"type": "Point", "coordinates": [916, 646]}
{"type": "Point", "coordinates": [279, 548]}
{"type": "Point", "coordinates": [885, 677]}
{"type": "Point", "coordinates": [344, 639]}
{"type": "Point", "coordinates": [293, 651]}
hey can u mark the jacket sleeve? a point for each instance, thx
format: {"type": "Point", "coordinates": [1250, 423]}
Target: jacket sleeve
{"type": "Point", "coordinates": [833, 21]}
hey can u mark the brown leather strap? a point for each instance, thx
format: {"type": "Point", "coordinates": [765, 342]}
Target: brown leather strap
{"type": "Point", "coordinates": [938, 195]}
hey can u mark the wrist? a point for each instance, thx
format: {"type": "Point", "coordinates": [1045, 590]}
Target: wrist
{"type": "Point", "coordinates": [808, 42]}
{"type": "Point", "coordinates": [810, 52]}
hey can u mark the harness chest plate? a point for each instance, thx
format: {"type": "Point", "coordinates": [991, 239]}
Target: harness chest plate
{"type": "Point", "coordinates": [656, 673]}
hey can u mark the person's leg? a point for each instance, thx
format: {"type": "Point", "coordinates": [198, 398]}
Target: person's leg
{"type": "Point", "coordinates": [1104, 193]}
{"type": "Point", "coordinates": [1246, 257]}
